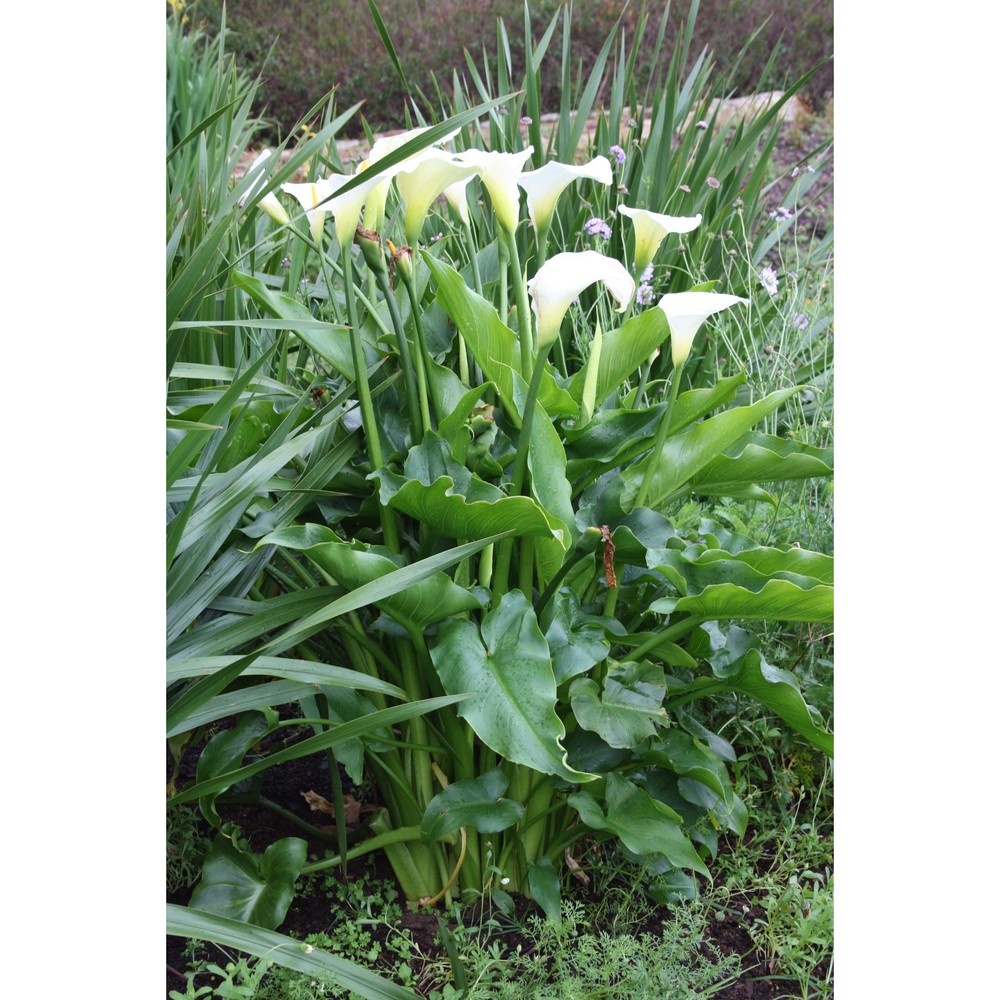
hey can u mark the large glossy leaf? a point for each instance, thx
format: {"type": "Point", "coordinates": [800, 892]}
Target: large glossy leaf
{"type": "Point", "coordinates": [628, 710]}
{"type": "Point", "coordinates": [224, 753]}
{"type": "Point", "coordinates": [508, 669]}
{"type": "Point", "coordinates": [475, 802]}
{"type": "Point", "coordinates": [188, 922]}
{"type": "Point", "coordinates": [543, 881]}
{"type": "Point", "coordinates": [689, 758]}
{"type": "Point", "coordinates": [644, 825]}
{"type": "Point", "coordinates": [447, 497]}
{"type": "Point", "coordinates": [762, 583]}
{"type": "Point", "coordinates": [244, 886]}
{"type": "Point", "coordinates": [686, 453]}
{"type": "Point", "coordinates": [493, 344]}
{"type": "Point", "coordinates": [330, 342]}
{"type": "Point", "coordinates": [576, 640]}
{"type": "Point", "coordinates": [354, 564]}
{"type": "Point", "coordinates": [622, 352]}
{"type": "Point", "coordinates": [760, 458]}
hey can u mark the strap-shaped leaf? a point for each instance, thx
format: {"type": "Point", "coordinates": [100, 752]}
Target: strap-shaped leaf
{"type": "Point", "coordinates": [507, 669]}
{"type": "Point", "coordinates": [686, 453]}
{"type": "Point", "coordinates": [188, 922]}
{"type": "Point", "coordinates": [354, 565]}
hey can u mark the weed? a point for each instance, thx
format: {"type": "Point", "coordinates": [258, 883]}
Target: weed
{"type": "Point", "coordinates": [186, 848]}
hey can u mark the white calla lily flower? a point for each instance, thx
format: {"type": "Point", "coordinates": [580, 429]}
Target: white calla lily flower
{"type": "Point", "coordinates": [421, 182]}
{"type": "Point", "coordinates": [269, 203]}
{"type": "Point", "coordinates": [375, 204]}
{"type": "Point", "coordinates": [309, 196]}
{"type": "Point", "coordinates": [457, 198]}
{"type": "Point", "coordinates": [561, 279]}
{"type": "Point", "coordinates": [500, 173]}
{"type": "Point", "coordinates": [685, 312]}
{"type": "Point", "coordinates": [347, 208]}
{"type": "Point", "coordinates": [651, 229]}
{"type": "Point", "coordinates": [544, 186]}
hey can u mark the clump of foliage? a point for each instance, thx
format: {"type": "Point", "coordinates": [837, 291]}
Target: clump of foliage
{"type": "Point", "coordinates": [429, 475]}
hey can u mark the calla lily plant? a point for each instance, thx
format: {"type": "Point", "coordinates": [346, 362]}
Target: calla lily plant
{"type": "Point", "coordinates": [651, 229]}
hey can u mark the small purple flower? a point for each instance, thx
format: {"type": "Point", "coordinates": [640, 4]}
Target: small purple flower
{"type": "Point", "coordinates": [597, 227]}
{"type": "Point", "coordinates": [769, 280]}
{"type": "Point", "coordinates": [684, 188]}
{"type": "Point", "coordinates": [810, 168]}
{"type": "Point", "coordinates": [647, 276]}
{"type": "Point", "coordinates": [702, 124]}
{"type": "Point", "coordinates": [713, 182]}
{"type": "Point", "coordinates": [527, 120]}
{"type": "Point", "coordinates": [644, 295]}
{"type": "Point", "coordinates": [800, 321]}
{"type": "Point", "coordinates": [781, 214]}
{"type": "Point", "coordinates": [436, 237]}
{"type": "Point", "coordinates": [618, 153]}
{"type": "Point", "coordinates": [795, 172]}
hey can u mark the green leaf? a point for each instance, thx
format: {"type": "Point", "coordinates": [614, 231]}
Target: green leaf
{"type": "Point", "coordinates": [543, 881]}
{"type": "Point", "coordinates": [223, 753]}
{"type": "Point", "coordinates": [686, 453]}
{"type": "Point", "coordinates": [493, 344]}
{"type": "Point", "coordinates": [689, 758]}
{"type": "Point", "coordinates": [575, 639]}
{"type": "Point", "coordinates": [643, 824]}
{"type": "Point", "coordinates": [447, 497]}
{"type": "Point", "coordinates": [622, 352]}
{"type": "Point", "coordinates": [386, 581]}
{"type": "Point", "coordinates": [508, 670]}
{"type": "Point", "coordinates": [760, 458]}
{"type": "Point", "coordinates": [475, 802]}
{"type": "Point", "coordinates": [332, 738]}
{"type": "Point", "coordinates": [628, 710]}
{"type": "Point", "coordinates": [330, 342]}
{"type": "Point", "coordinates": [760, 583]}
{"type": "Point", "coordinates": [244, 886]}
{"type": "Point", "coordinates": [185, 921]}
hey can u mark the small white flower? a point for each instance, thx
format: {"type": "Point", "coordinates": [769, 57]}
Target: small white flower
{"type": "Point", "coordinates": [505, 881]}
{"type": "Point", "coordinates": [769, 280]}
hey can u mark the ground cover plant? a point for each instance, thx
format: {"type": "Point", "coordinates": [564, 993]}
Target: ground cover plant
{"type": "Point", "coordinates": [487, 464]}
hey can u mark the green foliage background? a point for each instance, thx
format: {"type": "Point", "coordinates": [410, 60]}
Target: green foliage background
{"type": "Point", "coordinates": [324, 43]}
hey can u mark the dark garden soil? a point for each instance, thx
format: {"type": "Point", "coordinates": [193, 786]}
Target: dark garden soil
{"type": "Point", "coordinates": [310, 914]}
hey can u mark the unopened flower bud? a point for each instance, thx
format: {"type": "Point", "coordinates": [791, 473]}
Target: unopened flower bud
{"type": "Point", "coordinates": [371, 248]}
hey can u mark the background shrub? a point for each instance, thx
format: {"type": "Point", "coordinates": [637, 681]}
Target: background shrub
{"type": "Point", "coordinates": [327, 43]}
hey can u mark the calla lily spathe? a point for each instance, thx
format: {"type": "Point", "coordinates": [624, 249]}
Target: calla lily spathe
{"type": "Point", "coordinates": [269, 203]}
{"type": "Point", "coordinates": [544, 186]}
{"type": "Point", "coordinates": [375, 204]}
{"type": "Point", "coordinates": [347, 207]}
{"type": "Point", "coordinates": [421, 182]}
{"type": "Point", "coordinates": [561, 279]}
{"type": "Point", "coordinates": [309, 196]}
{"type": "Point", "coordinates": [500, 173]}
{"type": "Point", "coordinates": [651, 229]}
{"type": "Point", "coordinates": [685, 312]}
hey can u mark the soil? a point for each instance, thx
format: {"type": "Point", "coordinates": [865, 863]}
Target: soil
{"type": "Point", "coordinates": [310, 914]}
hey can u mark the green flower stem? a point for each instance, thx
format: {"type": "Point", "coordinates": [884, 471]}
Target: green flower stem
{"type": "Point", "coordinates": [387, 517]}
{"type": "Point", "coordinates": [409, 372]}
{"type": "Point", "coordinates": [661, 438]}
{"type": "Point", "coordinates": [525, 335]}
{"type": "Point", "coordinates": [420, 765]}
{"type": "Point", "coordinates": [643, 379]}
{"type": "Point", "coordinates": [504, 255]}
{"type": "Point", "coordinates": [424, 359]}
{"type": "Point", "coordinates": [667, 635]}
{"type": "Point", "coordinates": [536, 810]}
{"type": "Point", "coordinates": [336, 787]}
{"type": "Point", "coordinates": [504, 552]}
{"type": "Point", "coordinates": [474, 260]}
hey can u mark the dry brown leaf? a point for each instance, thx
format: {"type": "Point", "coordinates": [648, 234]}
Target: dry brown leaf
{"type": "Point", "coordinates": [352, 808]}
{"type": "Point", "coordinates": [574, 867]}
